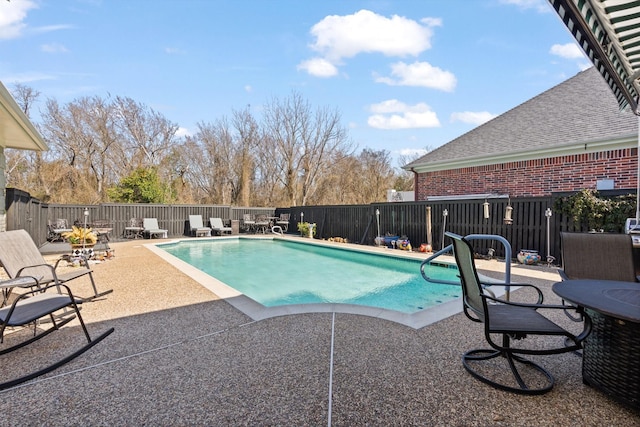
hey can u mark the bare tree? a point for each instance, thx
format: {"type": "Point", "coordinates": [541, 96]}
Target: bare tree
{"type": "Point", "coordinates": [304, 143]}
{"type": "Point", "coordinates": [243, 165]}
{"type": "Point", "coordinates": [296, 155]}
{"type": "Point", "coordinates": [147, 135]}
{"type": "Point", "coordinates": [83, 134]}
{"type": "Point", "coordinates": [405, 179]}
{"type": "Point", "coordinates": [24, 168]}
{"type": "Point", "coordinates": [210, 154]}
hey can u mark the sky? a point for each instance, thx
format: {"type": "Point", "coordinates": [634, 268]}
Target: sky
{"type": "Point", "coordinates": [405, 75]}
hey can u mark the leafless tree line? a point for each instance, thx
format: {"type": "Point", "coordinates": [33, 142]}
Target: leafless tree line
{"type": "Point", "coordinates": [292, 155]}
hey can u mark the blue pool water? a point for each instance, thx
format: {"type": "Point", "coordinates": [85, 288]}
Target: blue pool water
{"type": "Point", "coordinates": [277, 272]}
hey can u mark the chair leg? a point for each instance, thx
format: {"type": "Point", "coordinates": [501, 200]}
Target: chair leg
{"type": "Point", "coordinates": [56, 325]}
{"type": "Point", "coordinates": [56, 365]}
{"type": "Point", "coordinates": [542, 375]}
{"type": "Point", "coordinates": [96, 294]}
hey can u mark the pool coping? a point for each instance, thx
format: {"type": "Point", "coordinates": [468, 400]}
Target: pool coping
{"type": "Point", "coordinates": [257, 311]}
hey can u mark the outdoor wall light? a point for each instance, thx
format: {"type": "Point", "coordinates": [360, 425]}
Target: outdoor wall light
{"type": "Point", "coordinates": [485, 205]}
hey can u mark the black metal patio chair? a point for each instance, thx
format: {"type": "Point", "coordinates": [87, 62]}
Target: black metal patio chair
{"type": "Point", "coordinates": [510, 321]}
{"type": "Point", "coordinates": [28, 308]}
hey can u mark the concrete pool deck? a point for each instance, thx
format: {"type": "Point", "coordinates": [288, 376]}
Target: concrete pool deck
{"type": "Point", "coordinates": [182, 356]}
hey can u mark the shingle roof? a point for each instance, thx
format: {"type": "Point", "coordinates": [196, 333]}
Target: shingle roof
{"type": "Point", "coordinates": [581, 109]}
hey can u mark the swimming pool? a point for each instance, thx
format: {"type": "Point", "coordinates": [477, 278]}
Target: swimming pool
{"type": "Point", "coordinates": [282, 272]}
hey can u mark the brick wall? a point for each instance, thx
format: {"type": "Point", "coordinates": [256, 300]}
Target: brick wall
{"type": "Point", "coordinates": [534, 178]}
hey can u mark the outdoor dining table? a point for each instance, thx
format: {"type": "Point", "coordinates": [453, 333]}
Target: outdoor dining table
{"type": "Point", "coordinates": [610, 354]}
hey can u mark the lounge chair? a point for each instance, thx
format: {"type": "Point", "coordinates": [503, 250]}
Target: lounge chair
{"type": "Point", "coordinates": [283, 221]}
{"type": "Point", "coordinates": [56, 228]}
{"type": "Point", "coordinates": [20, 257]}
{"type": "Point", "coordinates": [197, 227]}
{"type": "Point", "coordinates": [32, 305]}
{"type": "Point", "coordinates": [513, 321]}
{"type": "Point", "coordinates": [152, 229]}
{"type": "Point", "coordinates": [217, 226]}
{"type": "Point", "coordinates": [600, 256]}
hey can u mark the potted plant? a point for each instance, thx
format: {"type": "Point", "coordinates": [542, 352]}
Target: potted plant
{"type": "Point", "coordinates": [307, 229]}
{"type": "Point", "coordinates": [80, 237]}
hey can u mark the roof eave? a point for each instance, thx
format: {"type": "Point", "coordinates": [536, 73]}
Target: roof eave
{"type": "Point", "coordinates": [499, 158]}
{"type": "Point", "coordinates": [16, 130]}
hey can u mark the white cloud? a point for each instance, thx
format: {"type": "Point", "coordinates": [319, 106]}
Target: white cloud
{"type": "Point", "coordinates": [393, 114]}
{"type": "Point", "coordinates": [248, 88]}
{"type": "Point", "coordinates": [420, 74]}
{"type": "Point", "coordinates": [12, 15]}
{"type": "Point", "coordinates": [539, 5]}
{"type": "Point", "coordinates": [174, 51]}
{"type": "Point", "coordinates": [413, 152]}
{"type": "Point", "coordinates": [432, 22]}
{"type": "Point", "coordinates": [474, 118]}
{"type": "Point", "coordinates": [51, 28]}
{"type": "Point", "coordinates": [338, 37]}
{"type": "Point", "coordinates": [568, 51]}
{"type": "Point", "coordinates": [54, 48]}
{"type": "Point", "coordinates": [318, 67]}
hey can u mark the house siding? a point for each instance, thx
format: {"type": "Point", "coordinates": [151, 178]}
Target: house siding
{"type": "Point", "coordinates": [533, 178]}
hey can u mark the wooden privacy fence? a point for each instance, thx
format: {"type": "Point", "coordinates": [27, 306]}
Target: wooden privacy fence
{"type": "Point", "coordinates": [357, 223]}
{"type": "Point", "coordinates": [25, 212]}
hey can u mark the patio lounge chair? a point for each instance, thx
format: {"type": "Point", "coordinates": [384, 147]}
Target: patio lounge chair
{"type": "Point", "coordinates": [603, 256]}
{"type": "Point", "coordinates": [217, 226]}
{"type": "Point", "coordinates": [513, 321]}
{"type": "Point", "coordinates": [151, 228]}
{"type": "Point", "coordinates": [20, 257]}
{"type": "Point", "coordinates": [197, 227]}
{"type": "Point", "coordinates": [33, 305]}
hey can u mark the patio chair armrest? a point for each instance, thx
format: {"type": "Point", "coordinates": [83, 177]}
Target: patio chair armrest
{"type": "Point", "coordinates": [528, 285]}
{"type": "Point", "coordinates": [56, 288]}
{"type": "Point", "coordinates": [28, 267]}
{"type": "Point", "coordinates": [20, 282]}
{"type": "Point", "coordinates": [541, 306]}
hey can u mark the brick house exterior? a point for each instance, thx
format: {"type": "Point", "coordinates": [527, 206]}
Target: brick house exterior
{"type": "Point", "coordinates": [569, 138]}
